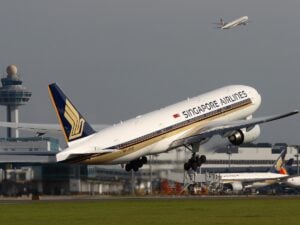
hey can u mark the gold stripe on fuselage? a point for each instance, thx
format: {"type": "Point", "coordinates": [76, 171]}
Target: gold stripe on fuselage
{"type": "Point", "coordinates": [107, 158]}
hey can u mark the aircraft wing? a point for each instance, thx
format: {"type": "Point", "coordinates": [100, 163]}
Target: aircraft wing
{"type": "Point", "coordinates": [41, 129]}
{"type": "Point", "coordinates": [226, 127]}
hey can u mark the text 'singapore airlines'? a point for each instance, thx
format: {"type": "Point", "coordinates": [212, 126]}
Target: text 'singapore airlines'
{"type": "Point", "coordinates": [215, 104]}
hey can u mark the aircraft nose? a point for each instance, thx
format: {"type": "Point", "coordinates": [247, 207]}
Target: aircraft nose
{"type": "Point", "coordinates": [256, 97]}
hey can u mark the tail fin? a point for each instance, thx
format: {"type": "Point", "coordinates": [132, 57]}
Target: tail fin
{"type": "Point", "coordinates": [290, 162]}
{"type": "Point", "coordinates": [73, 125]}
{"type": "Point", "coordinates": [222, 22]}
{"type": "Point", "coordinates": [279, 164]}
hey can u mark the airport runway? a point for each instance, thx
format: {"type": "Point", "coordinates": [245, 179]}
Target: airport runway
{"type": "Point", "coordinates": [11, 200]}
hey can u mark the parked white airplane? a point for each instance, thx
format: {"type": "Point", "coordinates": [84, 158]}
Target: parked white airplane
{"type": "Point", "coordinates": [240, 21]}
{"type": "Point", "coordinates": [226, 111]}
{"type": "Point", "coordinates": [242, 181]}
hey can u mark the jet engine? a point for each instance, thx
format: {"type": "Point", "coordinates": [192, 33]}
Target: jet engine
{"type": "Point", "coordinates": [237, 186]}
{"type": "Point", "coordinates": [244, 135]}
{"type": "Point", "coordinates": [293, 181]}
{"type": "Point", "coordinates": [234, 186]}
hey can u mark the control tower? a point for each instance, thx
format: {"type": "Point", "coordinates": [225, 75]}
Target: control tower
{"type": "Point", "coordinates": [12, 95]}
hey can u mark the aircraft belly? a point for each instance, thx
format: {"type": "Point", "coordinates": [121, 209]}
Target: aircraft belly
{"type": "Point", "coordinates": [152, 146]}
{"type": "Point", "coordinates": [120, 156]}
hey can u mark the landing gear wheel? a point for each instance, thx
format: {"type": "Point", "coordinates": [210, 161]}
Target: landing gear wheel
{"type": "Point", "coordinates": [197, 160]}
{"type": "Point", "coordinates": [136, 164]}
{"type": "Point", "coordinates": [202, 159]}
{"type": "Point", "coordinates": [135, 168]}
{"type": "Point", "coordinates": [195, 166]}
{"type": "Point", "coordinates": [187, 166]}
{"type": "Point", "coordinates": [194, 162]}
{"type": "Point", "coordinates": [128, 167]}
{"type": "Point", "coordinates": [139, 163]}
{"type": "Point", "coordinates": [144, 160]}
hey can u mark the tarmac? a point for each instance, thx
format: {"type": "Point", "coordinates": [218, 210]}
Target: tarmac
{"type": "Point", "coordinates": [75, 198]}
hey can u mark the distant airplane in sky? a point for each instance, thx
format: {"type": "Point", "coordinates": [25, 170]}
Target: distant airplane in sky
{"type": "Point", "coordinates": [240, 21]}
{"type": "Point", "coordinates": [255, 180]}
{"type": "Point", "coordinates": [190, 123]}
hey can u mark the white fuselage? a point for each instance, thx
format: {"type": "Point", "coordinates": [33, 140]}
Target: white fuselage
{"type": "Point", "coordinates": [251, 180]}
{"type": "Point", "coordinates": [239, 21]}
{"type": "Point", "coordinates": [154, 132]}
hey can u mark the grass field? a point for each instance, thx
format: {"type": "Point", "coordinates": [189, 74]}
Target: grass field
{"type": "Point", "coordinates": [273, 211]}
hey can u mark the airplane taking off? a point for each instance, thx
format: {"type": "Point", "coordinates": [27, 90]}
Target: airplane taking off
{"type": "Point", "coordinates": [226, 111]}
{"type": "Point", "coordinates": [240, 21]}
{"type": "Point", "coordinates": [190, 123]}
{"type": "Point", "coordinates": [242, 181]}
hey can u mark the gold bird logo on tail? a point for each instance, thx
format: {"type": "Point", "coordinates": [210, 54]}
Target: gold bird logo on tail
{"type": "Point", "coordinates": [74, 120]}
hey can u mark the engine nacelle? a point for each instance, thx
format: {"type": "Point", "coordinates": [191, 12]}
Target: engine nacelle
{"type": "Point", "coordinates": [234, 186]}
{"type": "Point", "coordinates": [293, 181]}
{"type": "Point", "coordinates": [244, 136]}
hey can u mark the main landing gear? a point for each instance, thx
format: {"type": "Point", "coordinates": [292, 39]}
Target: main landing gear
{"type": "Point", "coordinates": [195, 161]}
{"type": "Point", "coordinates": [136, 164]}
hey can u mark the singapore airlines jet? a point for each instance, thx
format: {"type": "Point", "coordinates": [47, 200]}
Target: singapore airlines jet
{"type": "Point", "coordinates": [240, 21]}
{"type": "Point", "coordinates": [242, 181]}
{"type": "Point", "coordinates": [226, 111]}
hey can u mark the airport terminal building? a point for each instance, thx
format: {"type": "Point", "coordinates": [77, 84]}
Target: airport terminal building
{"type": "Point", "coordinates": [27, 165]}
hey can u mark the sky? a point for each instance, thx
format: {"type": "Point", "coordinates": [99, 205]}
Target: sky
{"type": "Point", "coordinates": [117, 59]}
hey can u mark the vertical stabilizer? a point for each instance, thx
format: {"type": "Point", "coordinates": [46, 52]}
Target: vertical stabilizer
{"type": "Point", "coordinates": [279, 164]}
{"type": "Point", "coordinates": [73, 124]}
{"type": "Point", "coordinates": [222, 22]}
